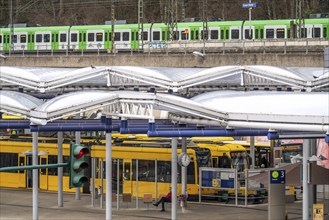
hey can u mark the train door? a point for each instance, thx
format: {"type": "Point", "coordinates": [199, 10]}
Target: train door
{"type": "Point", "coordinates": [43, 40]}
{"type": "Point", "coordinates": [54, 41]}
{"type": "Point", "coordinates": [246, 34]}
{"type": "Point", "coordinates": [43, 174]}
{"type": "Point", "coordinates": [21, 180]}
{"type": "Point", "coordinates": [28, 172]}
{"type": "Point", "coordinates": [127, 176]}
{"type": "Point", "coordinates": [62, 40]}
{"type": "Point", "coordinates": [95, 39]}
{"type": "Point", "coordinates": [224, 33]}
{"type": "Point", "coordinates": [107, 40]}
{"type": "Point", "coordinates": [194, 33]}
{"type": "Point", "coordinates": [6, 42]}
{"type": "Point", "coordinates": [74, 40]}
{"type": "Point", "coordinates": [134, 38]}
{"type": "Point", "coordinates": [30, 39]}
{"type": "Point", "coordinates": [82, 40]}
{"type": "Point", "coordinates": [311, 31]}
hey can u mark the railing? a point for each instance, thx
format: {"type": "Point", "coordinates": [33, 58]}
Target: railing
{"type": "Point", "coordinates": [187, 47]}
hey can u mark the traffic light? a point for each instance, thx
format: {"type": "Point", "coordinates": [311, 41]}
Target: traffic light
{"type": "Point", "coordinates": [78, 164]}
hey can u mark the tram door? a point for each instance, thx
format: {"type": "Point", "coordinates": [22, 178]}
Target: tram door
{"type": "Point", "coordinates": [127, 176]}
{"type": "Point", "coordinates": [28, 172]}
{"type": "Point", "coordinates": [43, 174]}
{"type": "Point", "coordinates": [21, 181]}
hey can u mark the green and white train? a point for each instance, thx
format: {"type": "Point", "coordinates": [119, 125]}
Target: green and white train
{"type": "Point", "coordinates": [98, 37]}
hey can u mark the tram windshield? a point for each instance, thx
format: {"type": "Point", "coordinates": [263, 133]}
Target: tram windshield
{"type": "Point", "coordinates": [240, 160]}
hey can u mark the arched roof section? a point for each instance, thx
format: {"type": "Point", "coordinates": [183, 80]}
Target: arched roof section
{"type": "Point", "coordinates": [171, 78]}
{"type": "Point", "coordinates": [16, 103]}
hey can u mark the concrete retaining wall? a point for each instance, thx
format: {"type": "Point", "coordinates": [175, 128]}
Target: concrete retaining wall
{"type": "Point", "coordinates": [171, 60]}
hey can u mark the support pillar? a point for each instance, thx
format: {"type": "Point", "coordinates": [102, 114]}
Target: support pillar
{"type": "Point", "coordinates": [35, 174]}
{"type": "Point", "coordinates": [174, 142]}
{"type": "Point", "coordinates": [184, 173]}
{"type": "Point", "coordinates": [60, 169]}
{"type": "Point", "coordinates": [306, 202]}
{"type": "Point", "coordinates": [108, 175]}
{"type": "Point", "coordinates": [252, 152]}
{"type": "Point", "coordinates": [77, 141]}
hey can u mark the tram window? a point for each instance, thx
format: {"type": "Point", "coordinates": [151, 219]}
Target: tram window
{"type": "Point", "coordinates": [127, 171]}
{"type": "Point", "coordinates": [325, 32]}
{"type": "Point", "coordinates": [43, 171]}
{"type": "Point", "coordinates": [14, 39]}
{"type": "Point", "coordinates": [227, 33]}
{"type": "Point", "coordinates": [196, 35]}
{"type": "Point", "coordinates": [234, 34]}
{"type": "Point", "coordinates": [117, 36]}
{"type": "Point", "coordinates": [0, 39]}
{"type": "Point", "coordinates": [125, 36]}
{"type": "Point", "coordinates": [176, 35]}
{"type": "Point", "coordinates": [184, 36]}
{"type": "Point", "coordinates": [65, 169]}
{"type": "Point", "coordinates": [145, 36]}
{"type": "Point", "coordinates": [269, 33]}
{"type": "Point", "coordinates": [91, 36]}
{"type": "Point", "coordinates": [316, 32]}
{"type": "Point", "coordinates": [164, 171]}
{"type": "Point", "coordinates": [21, 163]}
{"type": "Point", "coordinates": [74, 37]}
{"type": "Point", "coordinates": [280, 33]}
{"type": "Point", "coordinates": [156, 35]}
{"type": "Point", "coordinates": [8, 160]}
{"type": "Point", "coordinates": [214, 162]}
{"type": "Point", "coordinates": [257, 34]}
{"type": "Point", "coordinates": [214, 34]}
{"type": "Point", "coordinates": [46, 38]}
{"type": "Point", "coordinates": [133, 36]}
{"type": "Point", "coordinates": [84, 37]}
{"type": "Point", "coordinates": [146, 170]}
{"type": "Point", "coordinates": [106, 37]}
{"type": "Point", "coordinates": [39, 38]}
{"type": "Point", "coordinates": [31, 38]}
{"type": "Point", "coordinates": [99, 37]}
{"type": "Point", "coordinates": [190, 173]}
{"type": "Point", "coordinates": [62, 38]}
{"type": "Point", "coordinates": [262, 33]}
{"type": "Point", "coordinates": [222, 34]}
{"type": "Point", "coordinates": [246, 34]}
{"type": "Point", "coordinates": [303, 32]}
{"type": "Point", "coordinates": [163, 36]}
{"type": "Point", "coordinates": [288, 33]}
{"type": "Point", "coordinates": [23, 38]}
{"type": "Point", "coordinates": [192, 35]}
{"type": "Point", "coordinates": [52, 159]}
{"type": "Point", "coordinates": [224, 162]}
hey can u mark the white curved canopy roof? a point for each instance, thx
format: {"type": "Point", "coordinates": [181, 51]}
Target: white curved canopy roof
{"type": "Point", "coordinates": [169, 78]}
{"type": "Point", "coordinates": [263, 110]}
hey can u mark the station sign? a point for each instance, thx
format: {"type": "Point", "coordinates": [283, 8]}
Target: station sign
{"type": "Point", "coordinates": [249, 5]}
{"type": "Point", "coordinates": [277, 176]}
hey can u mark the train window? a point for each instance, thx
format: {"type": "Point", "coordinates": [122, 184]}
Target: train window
{"type": "Point", "coordinates": [91, 36]}
{"type": "Point", "coordinates": [65, 169]}
{"type": "Point", "coordinates": [190, 173]}
{"type": "Point", "coordinates": [280, 33]}
{"type": "Point", "coordinates": [46, 38]}
{"type": "Point", "coordinates": [117, 36]}
{"type": "Point", "coordinates": [235, 34]}
{"type": "Point", "coordinates": [126, 174]}
{"type": "Point", "coordinates": [324, 32]}
{"type": "Point", "coordinates": [74, 37]}
{"type": "Point", "coordinates": [52, 159]}
{"type": "Point", "coordinates": [23, 38]}
{"type": "Point", "coordinates": [44, 170]}
{"type": "Point", "coordinates": [21, 163]}
{"type": "Point", "coordinates": [176, 35]}
{"type": "Point", "coordinates": [303, 32]}
{"type": "Point", "coordinates": [214, 34]}
{"type": "Point", "coordinates": [106, 37]}
{"type": "Point", "coordinates": [184, 36]}
{"type": "Point", "coordinates": [205, 35]}
{"type": "Point", "coordinates": [125, 36]}
{"type": "Point", "coordinates": [0, 39]}
{"type": "Point", "coordinates": [84, 37]}
{"type": "Point", "coordinates": [39, 38]}
{"type": "Point", "coordinates": [9, 160]}
{"type": "Point", "coordinates": [62, 38]}
{"type": "Point", "coordinates": [156, 35]}
{"type": "Point", "coordinates": [226, 36]}
{"type": "Point", "coordinates": [247, 35]}
{"type": "Point", "coordinates": [192, 35]}
{"type": "Point", "coordinates": [146, 170]}
{"type": "Point", "coordinates": [257, 34]}
{"type": "Point", "coordinates": [14, 39]}
{"type": "Point", "coordinates": [99, 37]}
{"type": "Point", "coordinates": [196, 35]}
{"type": "Point", "coordinates": [164, 171]}
{"type": "Point", "coordinates": [132, 36]}
{"type": "Point", "coordinates": [31, 38]}
{"type": "Point", "coordinates": [262, 33]}
{"type": "Point", "coordinates": [222, 37]}
{"type": "Point", "coordinates": [269, 33]}
{"type": "Point", "coordinates": [288, 33]}
{"type": "Point", "coordinates": [145, 35]}
{"type": "Point", "coordinates": [163, 35]}
{"type": "Point", "coordinates": [316, 32]}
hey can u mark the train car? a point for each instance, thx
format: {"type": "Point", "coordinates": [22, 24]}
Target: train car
{"type": "Point", "coordinates": [99, 37]}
